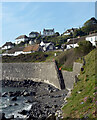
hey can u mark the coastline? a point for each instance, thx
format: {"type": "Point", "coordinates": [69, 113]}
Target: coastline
{"type": "Point", "coordinates": [45, 99]}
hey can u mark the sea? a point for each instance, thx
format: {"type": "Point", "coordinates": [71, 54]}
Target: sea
{"type": "Point", "coordinates": [10, 107]}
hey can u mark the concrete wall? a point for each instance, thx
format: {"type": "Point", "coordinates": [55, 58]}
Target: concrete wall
{"type": "Point", "coordinates": [71, 77]}
{"type": "Point", "coordinates": [44, 72]}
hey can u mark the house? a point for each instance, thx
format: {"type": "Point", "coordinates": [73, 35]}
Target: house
{"type": "Point", "coordinates": [73, 43]}
{"type": "Point", "coordinates": [31, 42]}
{"type": "Point", "coordinates": [47, 46]}
{"type": "Point", "coordinates": [69, 31]}
{"type": "Point", "coordinates": [48, 32]}
{"type": "Point", "coordinates": [92, 38]}
{"type": "Point", "coordinates": [32, 48]}
{"type": "Point", "coordinates": [20, 39]}
{"type": "Point", "coordinates": [33, 34]}
{"type": "Point", "coordinates": [7, 45]}
{"type": "Point", "coordinates": [15, 51]}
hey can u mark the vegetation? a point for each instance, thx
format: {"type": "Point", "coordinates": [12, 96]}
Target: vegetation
{"type": "Point", "coordinates": [84, 47]}
{"type": "Point", "coordinates": [33, 57]}
{"type": "Point", "coordinates": [81, 103]}
{"type": "Point", "coordinates": [89, 26]}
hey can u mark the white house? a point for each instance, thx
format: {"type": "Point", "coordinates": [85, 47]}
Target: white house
{"type": "Point", "coordinates": [33, 34]}
{"type": "Point", "coordinates": [48, 32]}
{"type": "Point", "coordinates": [92, 38]}
{"type": "Point", "coordinates": [7, 45]}
{"type": "Point", "coordinates": [69, 46]}
{"type": "Point", "coordinates": [47, 46]}
{"type": "Point", "coordinates": [69, 31]}
{"type": "Point", "coordinates": [20, 39]}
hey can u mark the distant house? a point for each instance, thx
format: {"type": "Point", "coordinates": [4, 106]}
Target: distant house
{"type": "Point", "coordinates": [47, 46]}
{"type": "Point", "coordinates": [31, 42]}
{"type": "Point", "coordinates": [32, 48]}
{"type": "Point", "coordinates": [48, 32]}
{"type": "Point", "coordinates": [20, 39]}
{"type": "Point", "coordinates": [7, 45]}
{"type": "Point", "coordinates": [92, 38]}
{"type": "Point", "coordinates": [15, 51]}
{"type": "Point", "coordinates": [69, 31]}
{"type": "Point", "coordinates": [73, 43]}
{"type": "Point", "coordinates": [33, 34]}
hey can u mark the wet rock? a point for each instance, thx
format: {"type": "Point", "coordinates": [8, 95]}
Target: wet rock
{"type": "Point", "coordinates": [3, 117]}
{"type": "Point", "coordinates": [11, 117]}
{"type": "Point", "coordinates": [51, 117]}
{"type": "Point", "coordinates": [23, 112]}
{"type": "Point", "coordinates": [4, 94]}
{"type": "Point", "coordinates": [14, 98]}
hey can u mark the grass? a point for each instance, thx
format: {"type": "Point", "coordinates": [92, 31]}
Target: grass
{"type": "Point", "coordinates": [81, 104]}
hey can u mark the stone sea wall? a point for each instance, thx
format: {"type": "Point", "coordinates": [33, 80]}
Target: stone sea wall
{"type": "Point", "coordinates": [40, 72]}
{"type": "Point", "coordinates": [47, 72]}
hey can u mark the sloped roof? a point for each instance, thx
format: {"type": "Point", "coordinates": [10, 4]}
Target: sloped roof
{"type": "Point", "coordinates": [91, 35]}
{"type": "Point", "coordinates": [75, 40]}
{"type": "Point", "coordinates": [21, 36]}
{"type": "Point", "coordinates": [15, 49]}
{"type": "Point", "coordinates": [8, 44]}
{"type": "Point", "coordinates": [31, 48]}
{"type": "Point", "coordinates": [49, 30]}
{"type": "Point", "coordinates": [69, 30]}
{"type": "Point", "coordinates": [33, 33]}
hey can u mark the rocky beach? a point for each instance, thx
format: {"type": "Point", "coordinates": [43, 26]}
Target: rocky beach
{"type": "Point", "coordinates": [31, 100]}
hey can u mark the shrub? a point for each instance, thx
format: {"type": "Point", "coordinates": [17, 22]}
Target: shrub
{"type": "Point", "coordinates": [84, 47]}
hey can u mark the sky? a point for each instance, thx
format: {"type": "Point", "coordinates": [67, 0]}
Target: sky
{"type": "Point", "coordinates": [19, 18]}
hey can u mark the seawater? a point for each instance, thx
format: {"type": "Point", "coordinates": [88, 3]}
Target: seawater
{"type": "Point", "coordinates": [9, 108]}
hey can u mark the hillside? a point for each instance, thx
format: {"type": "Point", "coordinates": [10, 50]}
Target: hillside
{"type": "Point", "coordinates": [81, 103]}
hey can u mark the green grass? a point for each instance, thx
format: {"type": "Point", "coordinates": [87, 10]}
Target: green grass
{"type": "Point", "coordinates": [86, 85]}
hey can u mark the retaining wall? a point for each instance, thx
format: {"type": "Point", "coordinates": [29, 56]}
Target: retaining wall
{"type": "Point", "coordinates": [41, 72]}
{"type": "Point", "coordinates": [44, 72]}
{"type": "Point", "coordinates": [71, 77]}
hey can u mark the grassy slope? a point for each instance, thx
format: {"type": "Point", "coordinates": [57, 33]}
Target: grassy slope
{"type": "Point", "coordinates": [77, 106]}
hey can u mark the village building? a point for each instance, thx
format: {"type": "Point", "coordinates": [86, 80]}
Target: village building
{"type": "Point", "coordinates": [32, 48]}
{"type": "Point", "coordinates": [73, 43]}
{"type": "Point", "coordinates": [31, 42]}
{"type": "Point", "coordinates": [33, 34]}
{"type": "Point", "coordinates": [69, 31]}
{"type": "Point", "coordinates": [20, 39]}
{"type": "Point", "coordinates": [47, 46]}
{"type": "Point", "coordinates": [48, 32]}
{"type": "Point", "coordinates": [92, 38]}
{"type": "Point", "coordinates": [7, 45]}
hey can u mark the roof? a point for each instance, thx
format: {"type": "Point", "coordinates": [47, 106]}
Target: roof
{"type": "Point", "coordinates": [75, 40]}
{"type": "Point", "coordinates": [8, 44]}
{"type": "Point", "coordinates": [91, 35]}
{"type": "Point", "coordinates": [31, 48]}
{"type": "Point", "coordinates": [21, 36]}
{"type": "Point", "coordinates": [15, 49]}
{"type": "Point", "coordinates": [69, 30]}
{"type": "Point", "coordinates": [33, 33]}
{"type": "Point", "coordinates": [49, 30]}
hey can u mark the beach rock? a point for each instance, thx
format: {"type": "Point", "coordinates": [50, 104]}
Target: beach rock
{"type": "Point", "coordinates": [51, 117]}
{"type": "Point", "coordinates": [4, 94]}
{"type": "Point", "coordinates": [14, 98]}
{"type": "Point", "coordinates": [11, 117]}
{"type": "Point", "coordinates": [23, 112]}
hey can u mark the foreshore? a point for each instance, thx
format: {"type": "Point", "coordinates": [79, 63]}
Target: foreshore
{"type": "Point", "coordinates": [45, 99]}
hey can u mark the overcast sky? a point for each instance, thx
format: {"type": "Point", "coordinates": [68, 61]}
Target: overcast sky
{"type": "Point", "coordinates": [21, 18]}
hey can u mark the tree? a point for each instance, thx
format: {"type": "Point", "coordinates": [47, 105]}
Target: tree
{"type": "Point", "coordinates": [84, 47]}
{"type": "Point", "coordinates": [57, 33]}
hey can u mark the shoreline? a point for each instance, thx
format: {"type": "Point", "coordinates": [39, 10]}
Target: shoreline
{"type": "Point", "coordinates": [48, 99]}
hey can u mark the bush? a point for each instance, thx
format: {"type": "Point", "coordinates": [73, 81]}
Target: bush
{"type": "Point", "coordinates": [84, 47]}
